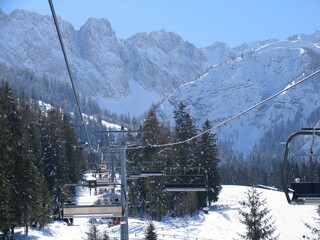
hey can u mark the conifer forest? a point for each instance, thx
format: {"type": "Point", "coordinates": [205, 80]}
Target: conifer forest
{"type": "Point", "coordinates": [39, 156]}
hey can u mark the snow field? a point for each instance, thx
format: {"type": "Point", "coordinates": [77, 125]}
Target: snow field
{"type": "Point", "coordinates": [222, 221]}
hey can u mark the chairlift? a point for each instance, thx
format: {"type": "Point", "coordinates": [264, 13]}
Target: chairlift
{"type": "Point", "coordinates": [151, 174]}
{"type": "Point", "coordinates": [191, 180]}
{"type": "Point", "coordinates": [144, 174]}
{"type": "Point", "coordinates": [298, 192]}
{"type": "Point", "coordinates": [84, 211]}
{"type": "Point", "coordinates": [92, 183]}
{"type": "Point", "coordinates": [133, 176]}
{"type": "Point", "coordinates": [147, 169]}
{"type": "Point", "coordinates": [185, 187]}
{"type": "Point", "coordinates": [70, 210]}
{"type": "Point", "coordinates": [97, 171]}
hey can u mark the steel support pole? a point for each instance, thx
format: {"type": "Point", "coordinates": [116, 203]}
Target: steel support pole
{"type": "Point", "coordinates": [110, 157]}
{"type": "Point", "coordinates": [124, 223]}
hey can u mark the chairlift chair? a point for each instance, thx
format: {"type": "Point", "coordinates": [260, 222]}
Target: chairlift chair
{"type": "Point", "coordinates": [132, 176]}
{"type": "Point", "coordinates": [147, 169]}
{"type": "Point", "coordinates": [185, 187]}
{"type": "Point", "coordinates": [82, 211]}
{"type": "Point", "coordinates": [151, 174]}
{"type": "Point", "coordinates": [144, 174]}
{"type": "Point", "coordinates": [191, 180]}
{"type": "Point", "coordinates": [300, 193]}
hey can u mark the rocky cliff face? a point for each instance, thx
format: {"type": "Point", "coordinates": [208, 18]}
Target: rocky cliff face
{"type": "Point", "coordinates": [162, 61]}
{"type": "Point", "coordinates": [254, 75]}
{"type": "Point", "coordinates": [101, 64]}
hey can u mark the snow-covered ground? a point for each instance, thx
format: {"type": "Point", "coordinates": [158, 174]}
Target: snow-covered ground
{"type": "Point", "coordinates": [222, 221]}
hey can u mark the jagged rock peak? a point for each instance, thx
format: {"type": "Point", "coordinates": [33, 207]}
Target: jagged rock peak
{"type": "Point", "coordinates": [25, 15]}
{"type": "Point", "coordinates": [101, 26]}
{"type": "Point", "coordinates": [253, 45]}
{"type": "Point", "coordinates": [160, 39]}
{"type": "Point", "coordinates": [218, 44]}
{"type": "Point", "coordinates": [3, 15]}
{"type": "Point", "coordinates": [316, 34]}
{"type": "Point", "coordinates": [314, 37]}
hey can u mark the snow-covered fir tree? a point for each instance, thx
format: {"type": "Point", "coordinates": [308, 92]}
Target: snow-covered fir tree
{"type": "Point", "coordinates": [184, 130]}
{"type": "Point", "coordinates": [256, 217]}
{"type": "Point", "coordinates": [314, 228]}
{"type": "Point", "coordinates": [146, 195]}
{"type": "Point", "coordinates": [26, 178]}
{"type": "Point", "coordinates": [150, 233]}
{"type": "Point", "coordinates": [207, 154]}
{"type": "Point", "coordinates": [7, 109]}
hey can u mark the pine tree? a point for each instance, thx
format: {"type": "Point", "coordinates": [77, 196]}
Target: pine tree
{"type": "Point", "coordinates": [55, 164]}
{"type": "Point", "coordinates": [41, 201]}
{"type": "Point", "coordinates": [27, 174]}
{"type": "Point", "coordinates": [256, 217]}
{"type": "Point", "coordinates": [208, 158]}
{"type": "Point", "coordinates": [185, 155]}
{"type": "Point", "coordinates": [190, 203]}
{"type": "Point", "coordinates": [42, 205]}
{"type": "Point", "coordinates": [105, 236]}
{"type": "Point", "coordinates": [152, 162]}
{"type": "Point", "coordinates": [20, 172]}
{"type": "Point", "coordinates": [184, 130]}
{"type": "Point", "coordinates": [93, 233]}
{"type": "Point", "coordinates": [314, 230]}
{"type": "Point", "coordinates": [146, 194]}
{"type": "Point", "coordinates": [20, 167]}
{"type": "Point", "coordinates": [7, 109]}
{"type": "Point", "coordinates": [150, 233]}
{"type": "Point", "coordinates": [69, 141]}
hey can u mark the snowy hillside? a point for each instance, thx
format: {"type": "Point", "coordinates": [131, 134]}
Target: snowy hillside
{"type": "Point", "coordinates": [236, 85]}
{"type": "Point", "coordinates": [222, 221]}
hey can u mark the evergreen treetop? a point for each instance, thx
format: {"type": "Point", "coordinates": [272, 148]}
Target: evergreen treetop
{"type": "Point", "coordinates": [256, 217]}
{"type": "Point", "coordinates": [150, 233]}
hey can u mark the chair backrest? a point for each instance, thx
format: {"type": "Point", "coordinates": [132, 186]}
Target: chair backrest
{"type": "Point", "coordinates": [73, 211]}
{"type": "Point", "coordinates": [302, 188]}
{"type": "Point", "coordinates": [185, 187]}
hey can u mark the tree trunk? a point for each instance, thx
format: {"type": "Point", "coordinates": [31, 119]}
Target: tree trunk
{"type": "Point", "coordinates": [26, 230]}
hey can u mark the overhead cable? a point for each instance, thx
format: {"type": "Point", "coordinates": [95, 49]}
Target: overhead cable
{"type": "Point", "coordinates": [69, 71]}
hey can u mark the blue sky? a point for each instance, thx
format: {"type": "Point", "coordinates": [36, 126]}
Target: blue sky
{"type": "Point", "coordinates": [201, 22]}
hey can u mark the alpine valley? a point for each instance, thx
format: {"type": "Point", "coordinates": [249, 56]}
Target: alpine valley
{"type": "Point", "coordinates": [127, 76]}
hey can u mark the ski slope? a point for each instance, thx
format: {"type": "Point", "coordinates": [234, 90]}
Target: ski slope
{"type": "Point", "coordinates": [222, 221]}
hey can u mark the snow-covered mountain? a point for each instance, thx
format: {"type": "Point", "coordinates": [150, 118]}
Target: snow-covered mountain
{"type": "Point", "coordinates": [128, 75]}
{"type": "Point", "coordinates": [237, 84]}
{"type": "Point", "coordinates": [103, 65]}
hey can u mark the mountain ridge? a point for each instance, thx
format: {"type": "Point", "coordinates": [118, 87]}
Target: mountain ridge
{"type": "Point", "coordinates": [215, 82]}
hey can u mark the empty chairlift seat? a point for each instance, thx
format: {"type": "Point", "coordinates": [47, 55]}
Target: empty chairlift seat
{"type": "Point", "coordinates": [305, 192]}
{"type": "Point", "coordinates": [185, 187]}
{"type": "Point", "coordinates": [78, 211]}
{"type": "Point", "coordinates": [298, 192]}
{"type": "Point", "coordinates": [191, 179]}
